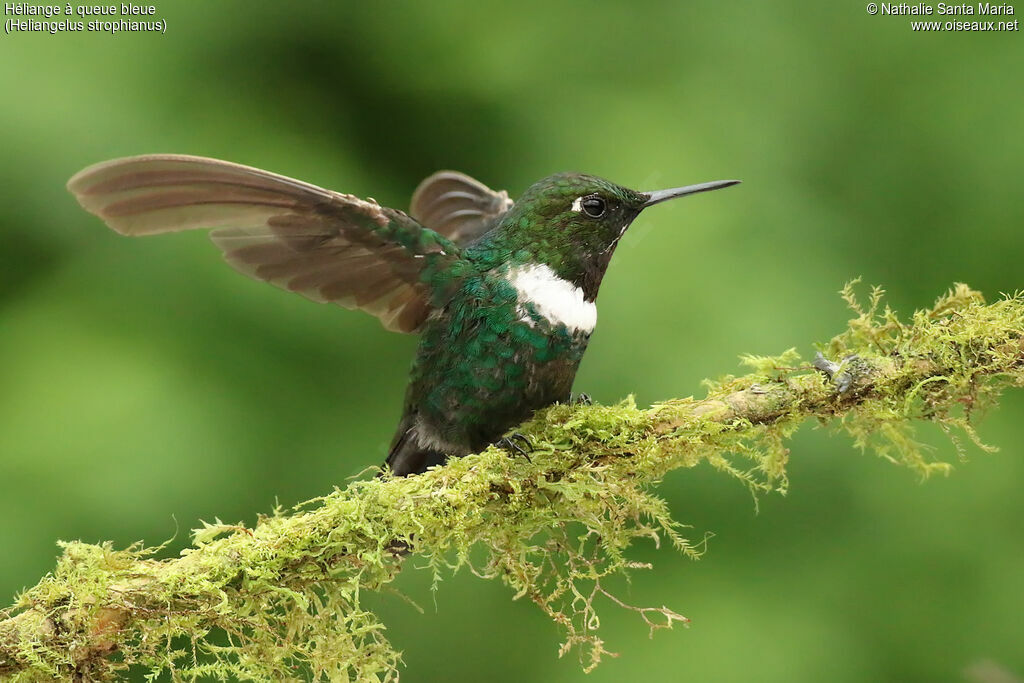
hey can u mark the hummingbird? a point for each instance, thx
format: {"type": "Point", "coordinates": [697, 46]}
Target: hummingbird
{"type": "Point", "coordinates": [501, 293]}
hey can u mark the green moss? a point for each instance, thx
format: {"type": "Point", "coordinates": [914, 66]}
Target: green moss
{"type": "Point", "coordinates": [283, 600]}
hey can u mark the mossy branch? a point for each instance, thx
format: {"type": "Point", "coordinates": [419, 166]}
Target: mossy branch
{"type": "Point", "coordinates": [282, 600]}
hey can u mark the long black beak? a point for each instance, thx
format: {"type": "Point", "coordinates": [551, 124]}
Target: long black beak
{"type": "Point", "coordinates": [659, 196]}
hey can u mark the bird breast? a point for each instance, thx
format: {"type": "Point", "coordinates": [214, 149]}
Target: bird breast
{"type": "Point", "coordinates": [556, 299]}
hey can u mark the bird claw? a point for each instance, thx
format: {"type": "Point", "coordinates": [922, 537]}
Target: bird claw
{"type": "Point", "coordinates": [581, 399]}
{"type": "Point", "coordinates": [511, 443]}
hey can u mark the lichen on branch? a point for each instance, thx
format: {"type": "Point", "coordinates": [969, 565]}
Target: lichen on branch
{"type": "Point", "coordinates": [283, 599]}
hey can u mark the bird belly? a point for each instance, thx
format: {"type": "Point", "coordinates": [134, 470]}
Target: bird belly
{"type": "Point", "coordinates": [485, 366]}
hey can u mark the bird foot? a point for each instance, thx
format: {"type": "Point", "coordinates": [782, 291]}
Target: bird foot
{"type": "Point", "coordinates": [581, 399]}
{"type": "Point", "coordinates": [511, 443]}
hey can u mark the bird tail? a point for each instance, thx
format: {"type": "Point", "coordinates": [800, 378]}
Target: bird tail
{"type": "Point", "coordinates": [407, 456]}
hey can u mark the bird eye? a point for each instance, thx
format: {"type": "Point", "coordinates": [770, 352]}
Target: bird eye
{"type": "Point", "coordinates": [593, 206]}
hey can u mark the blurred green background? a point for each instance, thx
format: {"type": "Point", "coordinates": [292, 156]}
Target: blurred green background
{"type": "Point", "coordinates": [144, 385]}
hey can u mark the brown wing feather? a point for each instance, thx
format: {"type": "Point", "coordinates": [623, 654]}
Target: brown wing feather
{"type": "Point", "coordinates": [457, 206]}
{"type": "Point", "coordinates": [327, 246]}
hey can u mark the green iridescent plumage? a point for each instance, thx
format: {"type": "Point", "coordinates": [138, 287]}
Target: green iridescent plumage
{"type": "Point", "coordinates": [491, 357]}
{"type": "Point", "coordinates": [502, 293]}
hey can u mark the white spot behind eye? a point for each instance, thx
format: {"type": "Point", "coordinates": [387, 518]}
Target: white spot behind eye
{"type": "Point", "coordinates": [577, 204]}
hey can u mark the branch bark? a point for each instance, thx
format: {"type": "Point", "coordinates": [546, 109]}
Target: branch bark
{"type": "Point", "coordinates": [265, 602]}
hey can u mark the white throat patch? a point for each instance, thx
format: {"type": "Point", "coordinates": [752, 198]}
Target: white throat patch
{"type": "Point", "coordinates": [558, 300]}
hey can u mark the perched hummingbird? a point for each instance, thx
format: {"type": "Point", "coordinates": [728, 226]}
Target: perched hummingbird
{"type": "Point", "coordinates": [501, 293]}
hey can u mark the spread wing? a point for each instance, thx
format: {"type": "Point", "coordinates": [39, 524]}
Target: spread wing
{"type": "Point", "coordinates": [457, 206]}
{"type": "Point", "coordinates": [327, 246]}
